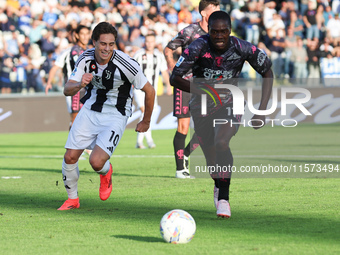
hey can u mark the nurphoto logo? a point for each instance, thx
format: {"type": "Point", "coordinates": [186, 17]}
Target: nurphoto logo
{"type": "Point", "coordinates": [238, 104]}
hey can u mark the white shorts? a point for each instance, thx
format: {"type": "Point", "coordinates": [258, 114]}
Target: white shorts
{"type": "Point", "coordinates": [92, 128]}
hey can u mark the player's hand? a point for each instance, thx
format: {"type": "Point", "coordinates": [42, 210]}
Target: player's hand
{"type": "Point", "coordinates": [258, 121]}
{"type": "Point", "coordinates": [48, 87]}
{"type": "Point", "coordinates": [142, 126]}
{"type": "Point", "coordinates": [86, 79]}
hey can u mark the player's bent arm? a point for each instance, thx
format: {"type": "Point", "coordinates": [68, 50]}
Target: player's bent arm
{"type": "Point", "coordinates": [72, 87]}
{"type": "Point", "coordinates": [169, 57]}
{"type": "Point", "coordinates": [149, 91]}
{"type": "Point", "coordinates": [51, 75]}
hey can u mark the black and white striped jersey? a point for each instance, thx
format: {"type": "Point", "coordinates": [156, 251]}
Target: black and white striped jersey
{"type": "Point", "coordinates": [63, 61]}
{"type": "Point", "coordinates": [111, 85]}
{"type": "Point", "coordinates": [152, 65]}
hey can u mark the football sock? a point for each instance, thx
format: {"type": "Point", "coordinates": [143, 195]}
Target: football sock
{"type": "Point", "coordinates": [224, 185]}
{"type": "Point", "coordinates": [191, 146]}
{"type": "Point", "coordinates": [105, 168]}
{"type": "Point", "coordinates": [148, 137]}
{"type": "Point", "coordinates": [70, 178]}
{"type": "Point", "coordinates": [140, 137]}
{"type": "Point", "coordinates": [179, 143]}
{"type": "Point", "coordinates": [216, 183]}
{"type": "Point", "coordinates": [224, 159]}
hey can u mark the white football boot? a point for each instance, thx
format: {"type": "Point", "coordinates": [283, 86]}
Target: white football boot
{"type": "Point", "coordinates": [223, 209]}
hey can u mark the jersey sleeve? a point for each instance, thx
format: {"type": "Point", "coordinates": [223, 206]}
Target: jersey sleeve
{"type": "Point", "coordinates": [61, 59]}
{"type": "Point", "coordinates": [139, 80]}
{"type": "Point", "coordinates": [181, 39]}
{"type": "Point", "coordinates": [188, 58]}
{"type": "Point", "coordinates": [78, 71]}
{"type": "Point", "coordinates": [257, 58]}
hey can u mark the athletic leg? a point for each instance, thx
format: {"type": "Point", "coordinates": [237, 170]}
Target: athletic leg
{"type": "Point", "coordinates": [179, 142]}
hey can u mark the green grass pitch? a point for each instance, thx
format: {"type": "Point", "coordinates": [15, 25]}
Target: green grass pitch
{"type": "Point", "coordinates": [269, 215]}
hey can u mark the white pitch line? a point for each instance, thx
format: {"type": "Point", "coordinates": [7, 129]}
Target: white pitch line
{"type": "Point", "coordinates": [171, 156]}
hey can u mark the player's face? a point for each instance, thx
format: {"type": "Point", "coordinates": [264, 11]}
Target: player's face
{"type": "Point", "coordinates": [84, 37]}
{"type": "Point", "coordinates": [150, 43]}
{"type": "Point", "coordinates": [219, 32]}
{"type": "Point", "coordinates": [104, 48]}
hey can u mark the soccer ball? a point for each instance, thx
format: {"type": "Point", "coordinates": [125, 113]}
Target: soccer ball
{"type": "Point", "coordinates": [177, 226]}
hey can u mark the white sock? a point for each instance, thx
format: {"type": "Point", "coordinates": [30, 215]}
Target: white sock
{"type": "Point", "coordinates": [105, 168]}
{"type": "Point", "coordinates": [140, 137]}
{"type": "Point", "coordinates": [70, 178]}
{"type": "Point", "coordinates": [148, 137]}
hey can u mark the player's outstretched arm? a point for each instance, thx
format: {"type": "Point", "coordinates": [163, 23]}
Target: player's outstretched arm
{"type": "Point", "coordinates": [144, 125]}
{"type": "Point", "coordinates": [51, 76]}
{"type": "Point", "coordinates": [72, 87]}
{"type": "Point", "coordinates": [267, 85]}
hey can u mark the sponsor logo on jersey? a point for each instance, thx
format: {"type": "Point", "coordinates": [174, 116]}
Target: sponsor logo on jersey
{"type": "Point", "coordinates": [218, 61]}
{"type": "Point", "coordinates": [74, 72]}
{"type": "Point", "coordinates": [186, 51]}
{"type": "Point", "coordinates": [210, 74]}
{"type": "Point", "coordinates": [180, 61]}
{"type": "Point", "coordinates": [261, 57]}
{"type": "Point", "coordinates": [207, 55]}
{"type": "Point", "coordinates": [253, 48]}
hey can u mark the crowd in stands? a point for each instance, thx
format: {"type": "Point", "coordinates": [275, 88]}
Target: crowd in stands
{"type": "Point", "coordinates": [295, 34]}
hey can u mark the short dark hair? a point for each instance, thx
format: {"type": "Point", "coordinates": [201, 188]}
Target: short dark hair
{"type": "Point", "coordinates": [80, 27]}
{"type": "Point", "coordinates": [103, 28]}
{"type": "Point", "coordinates": [205, 3]}
{"type": "Point", "coordinates": [219, 15]}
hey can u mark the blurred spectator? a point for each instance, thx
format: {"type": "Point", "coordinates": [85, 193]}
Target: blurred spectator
{"type": "Point", "coordinates": [326, 50]}
{"type": "Point", "coordinates": [34, 80]}
{"type": "Point", "coordinates": [333, 29]}
{"type": "Point", "coordinates": [171, 16]}
{"type": "Point", "coordinates": [12, 45]}
{"type": "Point", "coordinates": [195, 14]}
{"type": "Point", "coordinates": [253, 20]}
{"type": "Point", "coordinates": [310, 20]}
{"type": "Point", "coordinates": [47, 44]}
{"type": "Point", "coordinates": [336, 6]}
{"type": "Point", "coordinates": [184, 15]}
{"type": "Point", "coordinates": [299, 57]}
{"type": "Point", "coordinates": [24, 20]}
{"type": "Point", "coordinates": [5, 75]}
{"type": "Point", "coordinates": [328, 14]}
{"type": "Point", "coordinates": [313, 60]}
{"type": "Point", "coordinates": [296, 24]}
{"type": "Point", "coordinates": [277, 48]}
{"type": "Point", "coordinates": [36, 31]}
{"type": "Point", "coordinates": [290, 44]}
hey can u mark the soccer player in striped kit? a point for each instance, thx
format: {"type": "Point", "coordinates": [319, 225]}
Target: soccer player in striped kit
{"type": "Point", "coordinates": [152, 63]}
{"type": "Point", "coordinates": [108, 75]}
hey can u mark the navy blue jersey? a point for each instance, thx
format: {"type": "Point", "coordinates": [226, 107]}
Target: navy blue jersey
{"type": "Point", "coordinates": [213, 67]}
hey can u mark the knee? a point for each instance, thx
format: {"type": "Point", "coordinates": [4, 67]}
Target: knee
{"type": "Point", "coordinates": [222, 146]}
{"type": "Point", "coordinates": [96, 164]}
{"type": "Point", "coordinates": [70, 159]}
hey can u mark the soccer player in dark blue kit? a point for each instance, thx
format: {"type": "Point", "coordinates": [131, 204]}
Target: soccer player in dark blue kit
{"type": "Point", "coordinates": [181, 99]}
{"type": "Point", "coordinates": [218, 58]}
